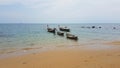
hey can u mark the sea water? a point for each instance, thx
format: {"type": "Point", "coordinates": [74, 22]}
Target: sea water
{"type": "Point", "coordinates": [16, 37]}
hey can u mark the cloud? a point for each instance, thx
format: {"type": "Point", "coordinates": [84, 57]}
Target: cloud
{"type": "Point", "coordinates": [82, 9]}
{"type": "Point", "coordinates": [65, 9]}
{"type": "Point", "coordinates": [7, 2]}
{"type": "Point", "coordinates": [27, 3]}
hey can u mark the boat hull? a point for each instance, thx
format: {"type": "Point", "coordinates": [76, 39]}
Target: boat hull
{"type": "Point", "coordinates": [70, 36]}
{"type": "Point", "coordinates": [64, 29]}
{"type": "Point", "coordinates": [51, 30]}
{"type": "Point", "coordinates": [60, 33]}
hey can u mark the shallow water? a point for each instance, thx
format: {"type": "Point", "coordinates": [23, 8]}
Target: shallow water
{"type": "Point", "coordinates": [16, 37]}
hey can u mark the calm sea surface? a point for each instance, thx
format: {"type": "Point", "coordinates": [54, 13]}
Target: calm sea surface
{"type": "Point", "coordinates": [15, 37]}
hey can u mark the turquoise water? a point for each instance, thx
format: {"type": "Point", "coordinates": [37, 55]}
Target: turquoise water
{"type": "Point", "coordinates": [15, 37]}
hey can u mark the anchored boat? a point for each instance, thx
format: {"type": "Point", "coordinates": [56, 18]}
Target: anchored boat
{"type": "Point", "coordinates": [64, 29]}
{"type": "Point", "coordinates": [60, 33]}
{"type": "Point", "coordinates": [51, 30]}
{"type": "Point", "coordinates": [70, 36]}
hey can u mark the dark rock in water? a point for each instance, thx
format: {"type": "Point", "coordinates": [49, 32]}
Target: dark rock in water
{"type": "Point", "coordinates": [100, 27]}
{"type": "Point", "coordinates": [82, 27]}
{"type": "Point", "coordinates": [114, 27]}
{"type": "Point", "coordinates": [93, 26]}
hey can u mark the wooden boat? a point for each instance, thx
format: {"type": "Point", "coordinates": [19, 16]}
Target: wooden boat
{"type": "Point", "coordinates": [70, 36]}
{"type": "Point", "coordinates": [51, 30]}
{"type": "Point", "coordinates": [64, 29]}
{"type": "Point", "coordinates": [60, 33]}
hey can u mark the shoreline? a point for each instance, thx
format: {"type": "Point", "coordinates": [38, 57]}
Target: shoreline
{"type": "Point", "coordinates": [66, 58]}
{"type": "Point", "coordinates": [29, 50]}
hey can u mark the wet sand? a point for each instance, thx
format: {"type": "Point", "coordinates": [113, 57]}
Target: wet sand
{"type": "Point", "coordinates": [66, 58]}
{"type": "Point", "coordinates": [113, 43]}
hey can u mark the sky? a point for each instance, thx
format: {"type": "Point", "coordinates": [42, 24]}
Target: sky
{"type": "Point", "coordinates": [59, 11]}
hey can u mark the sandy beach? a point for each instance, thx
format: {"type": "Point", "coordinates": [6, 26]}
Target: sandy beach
{"type": "Point", "coordinates": [66, 58]}
{"type": "Point", "coordinates": [59, 33]}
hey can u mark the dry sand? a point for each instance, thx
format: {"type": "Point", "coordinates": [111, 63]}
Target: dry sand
{"type": "Point", "coordinates": [66, 58]}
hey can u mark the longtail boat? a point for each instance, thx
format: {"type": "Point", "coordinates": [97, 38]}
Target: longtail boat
{"type": "Point", "coordinates": [70, 36]}
{"type": "Point", "coordinates": [51, 30]}
{"type": "Point", "coordinates": [64, 29]}
{"type": "Point", "coordinates": [60, 33]}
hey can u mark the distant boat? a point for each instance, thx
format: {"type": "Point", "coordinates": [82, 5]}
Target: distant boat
{"type": "Point", "coordinates": [70, 36]}
{"type": "Point", "coordinates": [64, 29]}
{"type": "Point", "coordinates": [60, 33]}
